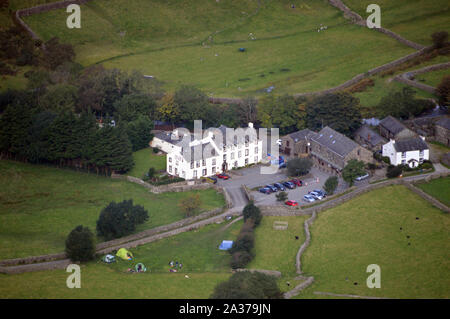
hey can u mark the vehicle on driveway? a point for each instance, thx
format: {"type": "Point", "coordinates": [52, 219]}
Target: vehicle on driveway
{"type": "Point", "coordinates": [291, 203]}
{"type": "Point", "coordinates": [272, 188]}
{"type": "Point", "coordinates": [360, 178]}
{"type": "Point", "coordinates": [265, 190]}
{"type": "Point", "coordinates": [316, 195]}
{"type": "Point", "coordinates": [223, 176]}
{"type": "Point", "coordinates": [320, 192]}
{"type": "Point", "coordinates": [279, 186]}
{"type": "Point", "coordinates": [309, 198]}
{"type": "Point", "coordinates": [289, 185]}
{"type": "Point", "coordinates": [297, 182]}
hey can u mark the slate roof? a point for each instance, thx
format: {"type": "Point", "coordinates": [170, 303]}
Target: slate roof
{"type": "Point", "coordinates": [444, 122]}
{"type": "Point", "coordinates": [410, 144]}
{"type": "Point", "coordinates": [301, 135]}
{"type": "Point", "coordinates": [370, 136]}
{"type": "Point", "coordinates": [198, 152]}
{"type": "Point", "coordinates": [336, 142]}
{"type": "Point", "coordinates": [392, 125]}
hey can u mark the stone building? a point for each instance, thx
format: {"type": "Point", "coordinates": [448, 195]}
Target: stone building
{"type": "Point", "coordinates": [331, 151]}
{"type": "Point", "coordinates": [369, 139]}
{"type": "Point", "coordinates": [391, 128]}
{"type": "Point", "coordinates": [296, 144]}
{"type": "Point", "coordinates": [442, 131]}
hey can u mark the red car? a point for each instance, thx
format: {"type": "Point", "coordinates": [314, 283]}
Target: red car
{"type": "Point", "coordinates": [297, 182]}
{"type": "Point", "coordinates": [291, 203]}
{"type": "Point", "coordinates": [223, 176]}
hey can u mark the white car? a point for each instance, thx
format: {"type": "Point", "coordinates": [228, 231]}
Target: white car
{"type": "Point", "coordinates": [360, 178]}
{"type": "Point", "coordinates": [309, 198]}
{"type": "Point", "coordinates": [316, 195]}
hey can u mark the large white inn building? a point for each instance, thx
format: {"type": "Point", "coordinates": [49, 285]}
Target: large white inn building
{"type": "Point", "coordinates": [215, 150]}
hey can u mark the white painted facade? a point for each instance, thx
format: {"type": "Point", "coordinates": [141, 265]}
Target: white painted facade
{"type": "Point", "coordinates": [235, 154]}
{"type": "Point", "coordinates": [411, 158]}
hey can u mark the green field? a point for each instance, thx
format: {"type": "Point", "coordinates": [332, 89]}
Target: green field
{"type": "Point", "coordinates": [433, 78]}
{"type": "Point", "coordinates": [144, 159]}
{"type": "Point", "coordinates": [165, 40]}
{"type": "Point", "coordinates": [40, 205]}
{"type": "Point", "coordinates": [438, 188]}
{"type": "Point", "coordinates": [415, 20]}
{"type": "Point", "coordinates": [366, 230]}
{"type": "Point", "coordinates": [203, 262]}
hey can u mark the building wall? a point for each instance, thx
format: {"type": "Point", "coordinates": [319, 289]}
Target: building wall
{"type": "Point", "coordinates": [396, 158]}
{"type": "Point", "coordinates": [361, 154]}
{"type": "Point", "coordinates": [442, 135]}
{"type": "Point", "coordinates": [164, 146]}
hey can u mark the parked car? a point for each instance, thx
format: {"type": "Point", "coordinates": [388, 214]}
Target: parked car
{"type": "Point", "coordinates": [309, 198]}
{"type": "Point", "coordinates": [291, 203]}
{"type": "Point", "coordinates": [321, 192]}
{"type": "Point", "coordinates": [289, 185]}
{"type": "Point", "coordinates": [316, 195]}
{"type": "Point", "coordinates": [211, 180]}
{"type": "Point", "coordinates": [297, 182]}
{"type": "Point", "coordinates": [279, 186]}
{"type": "Point", "coordinates": [272, 188]}
{"type": "Point", "coordinates": [265, 190]}
{"type": "Point", "coordinates": [223, 176]}
{"type": "Point", "coordinates": [360, 178]}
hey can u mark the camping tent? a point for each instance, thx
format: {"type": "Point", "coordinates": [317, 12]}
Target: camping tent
{"type": "Point", "coordinates": [124, 254]}
{"type": "Point", "coordinates": [226, 244]}
{"type": "Point", "coordinates": [140, 267]}
{"type": "Point", "coordinates": [109, 259]}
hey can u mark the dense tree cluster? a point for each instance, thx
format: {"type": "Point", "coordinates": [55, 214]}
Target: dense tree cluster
{"type": "Point", "coordinates": [299, 166]}
{"type": "Point", "coordinates": [248, 285]}
{"type": "Point", "coordinates": [331, 184]}
{"type": "Point", "coordinates": [120, 219]}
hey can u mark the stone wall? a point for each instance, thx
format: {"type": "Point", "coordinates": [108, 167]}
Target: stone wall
{"type": "Point", "coordinates": [408, 77]}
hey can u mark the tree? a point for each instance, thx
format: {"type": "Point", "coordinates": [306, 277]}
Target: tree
{"type": "Point", "coordinates": [439, 39]}
{"type": "Point", "coordinates": [353, 169]}
{"type": "Point", "coordinates": [139, 132]}
{"type": "Point", "coordinates": [57, 53]}
{"type": "Point", "coordinates": [191, 103]}
{"type": "Point", "coordinates": [403, 104]}
{"type": "Point", "coordinates": [60, 97]}
{"type": "Point", "coordinates": [80, 244]}
{"type": "Point", "coordinates": [167, 110]}
{"type": "Point", "coordinates": [330, 184]}
{"type": "Point", "coordinates": [190, 204]}
{"type": "Point", "coordinates": [281, 196]}
{"type": "Point", "coordinates": [340, 111]}
{"type": "Point", "coordinates": [120, 219]}
{"type": "Point", "coordinates": [131, 106]}
{"type": "Point", "coordinates": [299, 166]}
{"type": "Point", "coordinates": [248, 285]}
{"type": "Point", "coordinates": [252, 212]}
{"type": "Point", "coordinates": [393, 171]}
{"type": "Point", "coordinates": [247, 110]}
{"type": "Point", "coordinates": [443, 91]}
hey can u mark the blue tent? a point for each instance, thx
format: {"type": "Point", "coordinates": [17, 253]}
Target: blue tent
{"type": "Point", "coordinates": [226, 244]}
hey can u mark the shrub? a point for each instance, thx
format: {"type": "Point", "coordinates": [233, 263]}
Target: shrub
{"type": "Point", "coordinates": [80, 244]}
{"type": "Point", "coordinates": [190, 204]}
{"type": "Point", "coordinates": [120, 219]}
{"type": "Point", "coordinates": [281, 196]}
{"type": "Point", "coordinates": [386, 159]}
{"type": "Point", "coordinates": [299, 166]}
{"type": "Point", "coordinates": [253, 212]}
{"type": "Point", "coordinates": [245, 241]}
{"type": "Point", "coordinates": [439, 38]}
{"type": "Point", "coordinates": [248, 285]}
{"type": "Point", "coordinates": [393, 171]}
{"type": "Point", "coordinates": [352, 170]}
{"type": "Point", "coordinates": [240, 259]}
{"type": "Point", "coordinates": [331, 184]}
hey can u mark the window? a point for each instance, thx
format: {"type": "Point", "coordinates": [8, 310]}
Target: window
{"type": "Point", "coordinates": [246, 161]}
{"type": "Point", "coordinates": [203, 163]}
{"type": "Point", "coordinates": [204, 172]}
{"type": "Point", "coordinates": [176, 171]}
{"type": "Point", "coordinates": [214, 161]}
{"type": "Point", "coordinates": [192, 164]}
{"type": "Point", "coordinates": [195, 173]}
{"type": "Point", "coordinates": [224, 157]}
{"type": "Point", "coordinates": [403, 154]}
{"type": "Point", "coordinates": [403, 162]}
{"type": "Point", "coordinates": [239, 154]}
{"type": "Point", "coordinates": [214, 170]}
{"type": "Point", "coordinates": [232, 155]}
{"type": "Point", "coordinates": [246, 152]}
{"type": "Point", "coordinates": [256, 159]}
{"type": "Point", "coordinates": [198, 164]}
{"type": "Point", "coordinates": [256, 150]}
{"type": "Point", "coordinates": [421, 153]}
{"type": "Point", "coordinates": [287, 143]}
{"type": "Point", "coordinates": [170, 159]}
{"type": "Point", "coordinates": [170, 168]}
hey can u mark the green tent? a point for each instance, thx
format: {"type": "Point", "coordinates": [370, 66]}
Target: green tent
{"type": "Point", "coordinates": [124, 254]}
{"type": "Point", "coordinates": [140, 267]}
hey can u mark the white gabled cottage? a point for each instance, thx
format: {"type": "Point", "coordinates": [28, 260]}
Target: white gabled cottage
{"type": "Point", "coordinates": [409, 151]}
{"type": "Point", "coordinates": [217, 150]}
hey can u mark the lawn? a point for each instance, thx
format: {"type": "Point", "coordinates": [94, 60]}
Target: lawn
{"type": "Point", "coordinates": [276, 249]}
{"type": "Point", "coordinates": [374, 229]}
{"type": "Point", "coordinates": [40, 205]}
{"type": "Point", "coordinates": [283, 47]}
{"type": "Point", "coordinates": [438, 188]}
{"type": "Point", "coordinates": [198, 250]}
{"type": "Point", "coordinates": [144, 159]}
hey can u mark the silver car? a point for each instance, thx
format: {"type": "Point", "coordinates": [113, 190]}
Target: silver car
{"type": "Point", "coordinates": [309, 198]}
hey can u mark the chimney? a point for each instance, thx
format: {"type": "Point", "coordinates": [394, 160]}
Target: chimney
{"type": "Point", "coordinates": [250, 124]}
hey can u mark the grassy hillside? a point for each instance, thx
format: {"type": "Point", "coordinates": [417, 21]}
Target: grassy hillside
{"type": "Point", "coordinates": [374, 229]}
{"type": "Point", "coordinates": [40, 205]}
{"type": "Point", "coordinates": [197, 42]}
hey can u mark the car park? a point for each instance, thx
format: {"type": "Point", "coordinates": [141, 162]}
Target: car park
{"type": "Point", "coordinates": [320, 192]}
{"type": "Point", "coordinates": [272, 188]}
{"type": "Point", "coordinates": [316, 195]}
{"type": "Point", "coordinates": [360, 178]}
{"type": "Point", "coordinates": [291, 203]}
{"type": "Point", "coordinates": [265, 190]}
{"type": "Point", "coordinates": [289, 185]}
{"type": "Point", "coordinates": [297, 182]}
{"type": "Point", "coordinates": [279, 186]}
{"type": "Point", "coordinates": [309, 198]}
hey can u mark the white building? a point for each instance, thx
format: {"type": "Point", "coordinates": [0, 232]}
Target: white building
{"type": "Point", "coordinates": [215, 151]}
{"type": "Point", "coordinates": [410, 151]}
